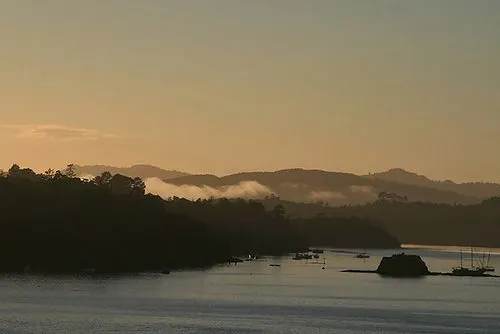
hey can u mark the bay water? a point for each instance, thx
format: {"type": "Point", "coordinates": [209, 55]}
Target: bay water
{"type": "Point", "coordinates": [311, 296]}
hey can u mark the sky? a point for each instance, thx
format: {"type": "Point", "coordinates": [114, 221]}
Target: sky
{"type": "Point", "coordinates": [223, 86]}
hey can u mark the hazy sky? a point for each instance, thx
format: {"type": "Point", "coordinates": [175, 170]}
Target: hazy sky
{"type": "Point", "coordinates": [225, 86]}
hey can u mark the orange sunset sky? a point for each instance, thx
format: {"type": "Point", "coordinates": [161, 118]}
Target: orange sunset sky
{"type": "Point", "coordinates": [226, 86]}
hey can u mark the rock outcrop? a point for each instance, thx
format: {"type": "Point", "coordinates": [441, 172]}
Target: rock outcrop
{"type": "Point", "coordinates": [402, 265]}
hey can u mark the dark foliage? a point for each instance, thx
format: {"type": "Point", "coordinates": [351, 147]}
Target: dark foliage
{"type": "Point", "coordinates": [245, 225]}
{"type": "Point", "coordinates": [434, 224]}
{"type": "Point", "coordinates": [55, 223]}
{"type": "Point", "coordinates": [417, 222]}
{"type": "Point", "coordinates": [344, 233]}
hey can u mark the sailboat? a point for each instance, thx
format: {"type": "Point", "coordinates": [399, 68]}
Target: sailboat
{"type": "Point", "coordinates": [472, 271]}
{"type": "Point", "coordinates": [487, 266]}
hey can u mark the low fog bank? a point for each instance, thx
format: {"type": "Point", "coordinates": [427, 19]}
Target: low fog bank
{"type": "Point", "coordinates": [254, 190]}
{"type": "Point", "coordinates": [326, 196]}
{"type": "Point", "coordinates": [245, 189]}
{"type": "Point", "coordinates": [355, 194]}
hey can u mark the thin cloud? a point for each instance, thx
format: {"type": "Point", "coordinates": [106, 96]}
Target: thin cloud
{"type": "Point", "coordinates": [56, 132]}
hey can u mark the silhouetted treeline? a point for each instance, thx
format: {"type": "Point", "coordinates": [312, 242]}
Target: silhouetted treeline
{"type": "Point", "coordinates": [349, 232]}
{"type": "Point", "coordinates": [56, 222]}
{"type": "Point", "coordinates": [248, 227]}
{"type": "Point", "coordinates": [417, 222]}
{"type": "Point", "coordinates": [434, 224]}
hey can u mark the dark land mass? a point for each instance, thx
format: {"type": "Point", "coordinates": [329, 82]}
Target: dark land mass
{"type": "Point", "coordinates": [248, 223]}
{"type": "Point", "coordinates": [349, 232]}
{"type": "Point", "coordinates": [421, 211]}
{"type": "Point", "coordinates": [141, 171]}
{"type": "Point", "coordinates": [416, 222]}
{"type": "Point", "coordinates": [57, 223]}
{"type": "Point", "coordinates": [245, 226]}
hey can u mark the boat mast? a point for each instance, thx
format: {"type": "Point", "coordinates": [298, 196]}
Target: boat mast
{"type": "Point", "coordinates": [471, 258]}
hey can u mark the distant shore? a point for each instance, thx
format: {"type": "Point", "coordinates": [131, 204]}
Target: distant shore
{"type": "Point", "coordinates": [453, 249]}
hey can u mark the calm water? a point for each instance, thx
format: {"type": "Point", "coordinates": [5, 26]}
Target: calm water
{"type": "Point", "coordinates": [297, 297]}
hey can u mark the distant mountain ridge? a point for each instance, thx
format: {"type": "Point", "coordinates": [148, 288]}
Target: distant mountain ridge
{"type": "Point", "coordinates": [142, 171]}
{"type": "Point", "coordinates": [300, 185]}
{"type": "Point", "coordinates": [474, 189]}
{"type": "Point", "coordinates": [333, 188]}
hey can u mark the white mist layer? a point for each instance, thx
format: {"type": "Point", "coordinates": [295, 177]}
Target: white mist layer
{"type": "Point", "coordinates": [326, 196]}
{"type": "Point", "coordinates": [87, 177]}
{"type": "Point", "coordinates": [363, 190]}
{"type": "Point", "coordinates": [245, 189]}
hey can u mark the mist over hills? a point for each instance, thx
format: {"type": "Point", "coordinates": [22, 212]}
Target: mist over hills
{"type": "Point", "coordinates": [335, 188]}
{"type": "Point", "coordinates": [300, 185]}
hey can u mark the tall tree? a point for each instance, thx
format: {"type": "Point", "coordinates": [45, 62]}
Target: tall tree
{"type": "Point", "coordinates": [70, 171]}
{"type": "Point", "coordinates": [138, 186]}
{"type": "Point", "coordinates": [103, 179]}
{"type": "Point", "coordinates": [121, 184]}
{"type": "Point", "coordinates": [48, 174]}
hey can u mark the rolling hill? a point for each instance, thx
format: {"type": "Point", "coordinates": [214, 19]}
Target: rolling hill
{"type": "Point", "coordinates": [142, 171]}
{"type": "Point", "coordinates": [334, 188]}
{"type": "Point", "coordinates": [473, 189]}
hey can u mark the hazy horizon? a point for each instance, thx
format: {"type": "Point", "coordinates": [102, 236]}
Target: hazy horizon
{"type": "Point", "coordinates": [228, 86]}
{"type": "Point", "coordinates": [192, 173]}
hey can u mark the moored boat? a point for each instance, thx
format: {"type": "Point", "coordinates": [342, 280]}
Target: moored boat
{"type": "Point", "coordinates": [362, 256]}
{"type": "Point", "coordinates": [463, 271]}
{"type": "Point", "coordinates": [472, 270]}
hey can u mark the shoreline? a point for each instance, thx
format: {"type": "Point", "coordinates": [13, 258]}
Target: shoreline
{"type": "Point", "coordinates": [355, 271]}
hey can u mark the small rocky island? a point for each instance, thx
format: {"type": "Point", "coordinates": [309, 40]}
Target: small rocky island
{"type": "Point", "coordinates": [399, 265]}
{"type": "Point", "coordinates": [402, 265]}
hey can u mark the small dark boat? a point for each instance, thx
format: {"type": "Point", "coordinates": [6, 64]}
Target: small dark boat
{"type": "Point", "coordinates": [318, 251]}
{"type": "Point", "coordinates": [275, 265]}
{"type": "Point", "coordinates": [362, 256]}
{"type": "Point", "coordinates": [302, 256]}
